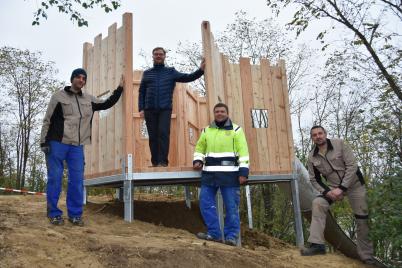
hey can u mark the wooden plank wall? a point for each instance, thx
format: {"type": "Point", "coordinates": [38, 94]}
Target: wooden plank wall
{"type": "Point", "coordinates": [112, 131]}
{"type": "Point", "coordinates": [245, 87]}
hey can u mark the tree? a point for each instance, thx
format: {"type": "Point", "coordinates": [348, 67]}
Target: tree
{"type": "Point", "coordinates": [386, 217]}
{"type": "Point", "coordinates": [26, 81]}
{"type": "Point", "coordinates": [366, 24]}
{"type": "Point", "coordinates": [72, 8]}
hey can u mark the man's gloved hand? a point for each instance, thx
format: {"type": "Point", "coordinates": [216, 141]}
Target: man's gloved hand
{"type": "Point", "coordinates": [45, 148]}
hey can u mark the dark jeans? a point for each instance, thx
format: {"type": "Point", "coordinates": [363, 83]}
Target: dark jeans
{"type": "Point", "coordinates": [158, 125]}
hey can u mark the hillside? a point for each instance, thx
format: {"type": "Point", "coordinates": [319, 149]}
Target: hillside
{"type": "Point", "coordinates": [28, 240]}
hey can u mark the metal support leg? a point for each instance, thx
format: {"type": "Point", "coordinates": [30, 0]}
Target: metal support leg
{"type": "Point", "coordinates": [187, 196]}
{"type": "Point", "coordinates": [128, 191]}
{"type": "Point", "coordinates": [85, 196]}
{"type": "Point", "coordinates": [219, 207]}
{"type": "Point", "coordinates": [120, 194]}
{"type": "Point", "coordinates": [249, 208]}
{"type": "Point", "coordinates": [297, 213]}
{"type": "Point", "coordinates": [239, 234]}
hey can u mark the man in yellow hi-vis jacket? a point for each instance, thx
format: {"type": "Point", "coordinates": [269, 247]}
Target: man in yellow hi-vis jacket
{"type": "Point", "coordinates": [222, 153]}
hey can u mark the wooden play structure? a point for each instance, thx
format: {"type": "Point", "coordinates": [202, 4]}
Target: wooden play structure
{"type": "Point", "coordinates": [258, 101]}
{"type": "Point", "coordinates": [257, 97]}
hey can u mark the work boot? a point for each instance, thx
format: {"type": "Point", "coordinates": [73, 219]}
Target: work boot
{"type": "Point", "coordinates": [208, 237]}
{"type": "Point", "coordinates": [58, 220]}
{"type": "Point", "coordinates": [76, 221]}
{"type": "Point", "coordinates": [314, 249]}
{"type": "Point", "coordinates": [371, 262]}
{"type": "Point", "coordinates": [231, 242]}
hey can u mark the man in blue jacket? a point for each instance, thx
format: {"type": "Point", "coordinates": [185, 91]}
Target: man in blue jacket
{"type": "Point", "coordinates": [155, 102]}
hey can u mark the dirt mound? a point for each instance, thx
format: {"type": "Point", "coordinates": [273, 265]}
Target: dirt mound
{"type": "Point", "coordinates": [28, 240]}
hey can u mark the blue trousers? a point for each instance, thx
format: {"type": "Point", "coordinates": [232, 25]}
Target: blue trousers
{"type": "Point", "coordinates": [74, 156]}
{"type": "Point", "coordinates": [231, 200]}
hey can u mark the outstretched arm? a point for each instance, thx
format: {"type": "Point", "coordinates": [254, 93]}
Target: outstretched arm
{"type": "Point", "coordinates": [185, 78]}
{"type": "Point", "coordinates": [109, 102]}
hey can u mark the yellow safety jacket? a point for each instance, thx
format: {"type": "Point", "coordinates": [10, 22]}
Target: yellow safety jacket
{"type": "Point", "coordinates": [224, 154]}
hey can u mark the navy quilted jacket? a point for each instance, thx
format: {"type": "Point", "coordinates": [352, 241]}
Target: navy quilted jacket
{"type": "Point", "coordinates": [157, 85]}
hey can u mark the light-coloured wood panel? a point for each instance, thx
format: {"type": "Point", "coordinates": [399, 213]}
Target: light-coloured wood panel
{"type": "Point", "coordinates": [96, 92]}
{"type": "Point", "coordinates": [118, 108]}
{"type": "Point", "coordinates": [87, 65]}
{"type": "Point", "coordinates": [272, 138]}
{"type": "Point", "coordinates": [111, 84]}
{"type": "Point", "coordinates": [281, 126]}
{"type": "Point", "coordinates": [103, 154]}
{"type": "Point", "coordinates": [289, 130]}
{"type": "Point", "coordinates": [246, 84]}
{"type": "Point", "coordinates": [127, 70]}
{"type": "Point", "coordinates": [258, 100]}
{"type": "Point", "coordinates": [213, 69]}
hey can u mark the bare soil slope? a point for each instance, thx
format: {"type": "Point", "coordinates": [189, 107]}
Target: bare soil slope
{"type": "Point", "coordinates": [163, 236]}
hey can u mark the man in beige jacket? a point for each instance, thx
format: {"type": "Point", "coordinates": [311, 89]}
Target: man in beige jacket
{"type": "Point", "coordinates": [66, 129]}
{"type": "Point", "coordinates": [333, 161]}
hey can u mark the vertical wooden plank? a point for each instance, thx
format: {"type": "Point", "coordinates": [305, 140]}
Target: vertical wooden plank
{"type": "Point", "coordinates": [89, 86]}
{"type": "Point", "coordinates": [95, 92]}
{"type": "Point", "coordinates": [111, 84]}
{"type": "Point", "coordinates": [103, 114]}
{"type": "Point", "coordinates": [87, 65]}
{"type": "Point", "coordinates": [246, 84]}
{"type": "Point", "coordinates": [207, 45]}
{"type": "Point", "coordinates": [258, 100]}
{"type": "Point", "coordinates": [235, 97]}
{"type": "Point", "coordinates": [85, 56]}
{"type": "Point", "coordinates": [139, 143]}
{"type": "Point", "coordinates": [204, 113]}
{"type": "Point", "coordinates": [128, 92]}
{"type": "Point", "coordinates": [272, 138]}
{"type": "Point", "coordinates": [213, 69]}
{"type": "Point", "coordinates": [181, 125]}
{"type": "Point", "coordinates": [174, 125]}
{"type": "Point", "coordinates": [289, 130]}
{"type": "Point", "coordinates": [281, 121]}
{"type": "Point", "coordinates": [119, 112]}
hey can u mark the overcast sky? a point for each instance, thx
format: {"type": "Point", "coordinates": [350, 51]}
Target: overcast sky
{"type": "Point", "coordinates": [155, 23]}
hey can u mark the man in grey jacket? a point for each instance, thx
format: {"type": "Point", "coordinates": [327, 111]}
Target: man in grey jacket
{"type": "Point", "coordinates": [333, 160]}
{"type": "Point", "coordinates": [66, 129]}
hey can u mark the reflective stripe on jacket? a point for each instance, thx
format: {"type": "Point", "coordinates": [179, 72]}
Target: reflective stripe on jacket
{"type": "Point", "coordinates": [224, 153]}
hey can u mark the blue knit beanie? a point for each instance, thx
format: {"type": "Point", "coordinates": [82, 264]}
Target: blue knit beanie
{"type": "Point", "coordinates": [77, 72]}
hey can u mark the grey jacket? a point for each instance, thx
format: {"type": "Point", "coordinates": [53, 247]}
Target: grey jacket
{"type": "Point", "coordinates": [338, 167]}
{"type": "Point", "coordinates": [68, 118]}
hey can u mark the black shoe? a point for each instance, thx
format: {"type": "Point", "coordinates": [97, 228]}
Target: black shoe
{"type": "Point", "coordinates": [231, 242]}
{"type": "Point", "coordinates": [314, 249]}
{"type": "Point", "coordinates": [76, 221]}
{"type": "Point", "coordinates": [163, 164]}
{"type": "Point", "coordinates": [208, 237]}
{"type": "Point", "coordinates": [58, 220]}
{"type": "Point", "coordinates": [371, 262]}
